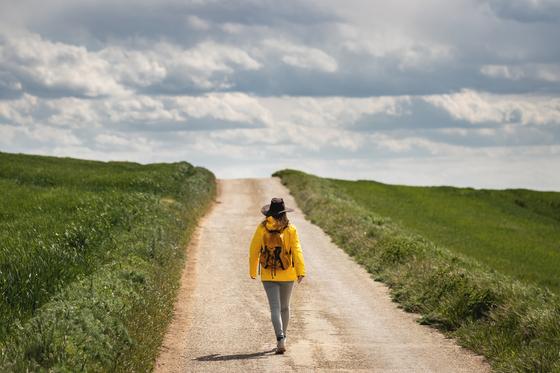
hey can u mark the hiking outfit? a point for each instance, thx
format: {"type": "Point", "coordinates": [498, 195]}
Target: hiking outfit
{"type": "Point", "coordinates": [275, 251]}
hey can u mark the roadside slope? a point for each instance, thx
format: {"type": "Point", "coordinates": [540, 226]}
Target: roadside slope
{"type": "Point", "coordinates": [341, 319]}
{"type": "Point", "coordinates": [90, 259]}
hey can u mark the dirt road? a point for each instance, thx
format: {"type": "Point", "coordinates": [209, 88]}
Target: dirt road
{"type": "Point", "coordinates": [341, 320]}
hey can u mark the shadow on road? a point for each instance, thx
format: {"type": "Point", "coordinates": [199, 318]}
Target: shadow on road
{"type": "Point", "coordinates": [218, 357]}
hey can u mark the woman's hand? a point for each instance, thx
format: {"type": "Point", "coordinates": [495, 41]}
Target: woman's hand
{"type": "Point", "coordinates": [299, 278]}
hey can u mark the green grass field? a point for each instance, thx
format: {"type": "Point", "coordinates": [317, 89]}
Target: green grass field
{"type": "Point", "coordinates": [515, 231]}
{"type": "Point", "coordinates": [480, 265]}
{"type": "Point", "coordinates": [90, 256]}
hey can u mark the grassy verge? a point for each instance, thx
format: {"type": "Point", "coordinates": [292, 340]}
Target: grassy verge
{"type": "Point", "coordinates": [90, 257]}
{"type": "Point", "coordinates": [516, 325]}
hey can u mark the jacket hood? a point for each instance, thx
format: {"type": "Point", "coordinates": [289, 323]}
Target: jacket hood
{"type": "Point", "coordinates": [272, 224]}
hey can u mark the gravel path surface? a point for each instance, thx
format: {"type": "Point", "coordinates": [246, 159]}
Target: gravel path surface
{"type": "Point", "coordinates": [341, 320]}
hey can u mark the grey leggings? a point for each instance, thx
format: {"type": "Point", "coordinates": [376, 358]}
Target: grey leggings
{"type": "Point", "coordinates": [278, 294]}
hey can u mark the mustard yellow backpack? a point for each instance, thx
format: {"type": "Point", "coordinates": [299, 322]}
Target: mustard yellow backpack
{"type": "Point", "coordinates": [274, 254]}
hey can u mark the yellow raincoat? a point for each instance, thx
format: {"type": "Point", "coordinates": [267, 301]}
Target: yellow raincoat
{"type": "Point", "coordinates": [291, 239]}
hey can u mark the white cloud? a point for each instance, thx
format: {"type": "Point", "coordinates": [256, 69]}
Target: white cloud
{"type": "Point", "coordinates": [40, 135]}
{"type": "Point", "coordinates": [118, 144]}
{"type": "Point", "coordinates": [72, 112]}
{"type": "Point", "coordinates": [333, 111]}
{"type": "Point", "coordinates": [489, 132]}
{"type": "Point", "coordinates": [232, 27]}
{"type": "Point", "coordinates": [135, 67]}
{"type": "Point", "coordinates": [18, 111]}
{"type": "Point", "coordinates": [218, 57]}
{"type": "Point", "coordinates": [236, 107]}
{"type": "Point", "coordinates": [207, 65]}
{"type": "Point", "coordinates": [478, 107]}
{"type": "Point", "coordinates": [410, 53]}
{"type": "Point", "coordinates": [301, 56]}
{"type": "Point", "coordinates": [544, 72]}
{"type": "Point", "coordinates": [56, 66]}
{"type": "Point", "coordinates": [61, 137]}
{"type": "Point", "coordinates": [131, 110]}
{"type": "Point", "coordinates": [197, 23]}
{"type": "Point", "coordinates": [140, 109]}
{"type": "Point", "coordinates": [111, 139]}
{"type": "Point", "coordinates": [7, 134]}
{"type": "Point", "coordinates": [48, 67]}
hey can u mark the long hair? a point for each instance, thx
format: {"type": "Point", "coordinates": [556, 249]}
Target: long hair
{"type": "Point", "coordinates": [282, 220]}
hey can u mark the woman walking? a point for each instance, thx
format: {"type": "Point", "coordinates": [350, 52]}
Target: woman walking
{"type": "Point", "coordinates": [276, 250]}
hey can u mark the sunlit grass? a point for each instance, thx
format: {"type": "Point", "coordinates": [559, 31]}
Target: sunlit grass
{"type": "Point", "coordinates": [516, 231]}
{"type": "Point", "coordinates": [90, 254]}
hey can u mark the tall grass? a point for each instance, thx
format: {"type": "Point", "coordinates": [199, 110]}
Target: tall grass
{"type": "Point", "coordinates": [516, 325]}
{"type": "Point", "coordinates": [90, 256]}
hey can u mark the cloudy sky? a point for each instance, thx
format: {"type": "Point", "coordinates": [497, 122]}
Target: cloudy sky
{"type": "Point", "coordinates": [432, 92]}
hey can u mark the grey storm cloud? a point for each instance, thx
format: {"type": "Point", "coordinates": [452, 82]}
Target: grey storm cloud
{"type": "Point", "coordinates": [527, 10]}
{"type": "Point", "coordinates": [245, 87]}
{"type": "Point", "coordinates": [301, 48]}
{"type": "Point", "coordinates": [182, 22]}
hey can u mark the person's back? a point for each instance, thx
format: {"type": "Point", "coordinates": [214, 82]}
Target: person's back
{"type": "Point", "coordinates": [290, 241]}
{"type": "Point", "coordinates": [276, 253]}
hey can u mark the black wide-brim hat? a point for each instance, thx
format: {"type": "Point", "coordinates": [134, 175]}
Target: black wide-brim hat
{"type": "Point", "coordinates": [275, 207]}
